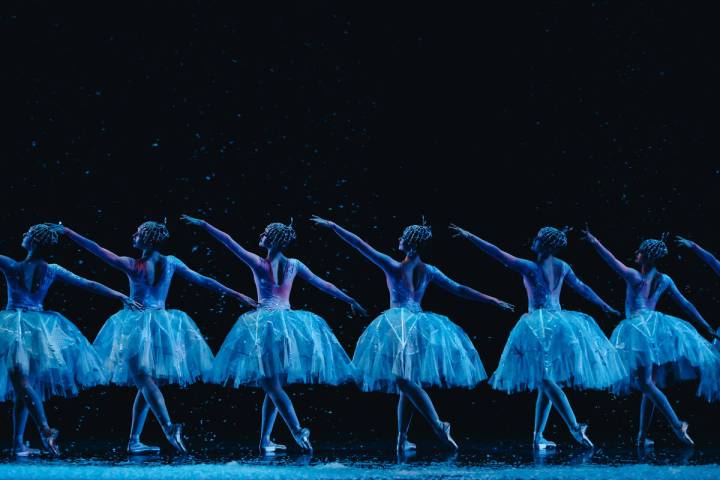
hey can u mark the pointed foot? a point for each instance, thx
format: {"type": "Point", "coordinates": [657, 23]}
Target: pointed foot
{"type": "Point", "coordinates": [302, 438]}
{"type": "Point", "coordinates": [49, 442]}
{"type": "Point", "coordinates": [446, 437]}
{"type": "Point", "coordinates": [580, 435]}
{"type": "Point", "coordinates": [174, 435]}
{"type": "Point", "coordinates": [681, 433]}
{"type": "Point", "coordinates": [269, 446]}
{"type": "Point", "coordinates": [542, 443]}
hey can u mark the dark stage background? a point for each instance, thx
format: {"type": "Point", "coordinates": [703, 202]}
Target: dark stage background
{"type": "Point", "coordinates": [501, 119]}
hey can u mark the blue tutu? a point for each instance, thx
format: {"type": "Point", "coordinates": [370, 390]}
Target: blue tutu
{"type": "Point", "coordinates": [50, 350]}
{"type": "Point", "coordinates": [164, 344]}
{"type": "Point", "coordinates": [421, 347]}
{"type": "Point", "coordinates": [563, 346]}
{"type": "Point", "coordinates": [672, 346]}
{"type": "Point", "coordinates": [294, 345]}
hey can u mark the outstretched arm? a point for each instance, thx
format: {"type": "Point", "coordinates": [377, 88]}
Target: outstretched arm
{"type": "Point", "coordinates": [380, 259]}
{"type": "Point", "coordinates": [587, 292]}
{"type": "Point", "coordinates": [192, 276]}
{"type": "Point", "coordinates": [252, 260]}
{"type": "Point", "coordinates": [70, 278]}
{"type": "Point", "coordinates": [620, 268]}
{"type": "Point", "coordinates": [689, 308]}
{"type": "Point", "coordinates": [5, 263]}
{"type": "Point", "coordinates": [704, 255]}
{"type": "Point", "coordinates": [121, 263]}
{"type": "Point", "coordinates": [442, 280]}
{"type": "Point", "coordinates": [514, 263]}
{"type": "Point", "coordinates": [324, 286]}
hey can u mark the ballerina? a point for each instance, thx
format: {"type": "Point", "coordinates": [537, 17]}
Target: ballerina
{"type": "Point", "coordinates": [550, 348]}
{"type": "Point", "coordinates": [154, 346]}
{"type": "Point", "coordinates": [42, 354]}
{"type": "Point", "coordinates": [405, 348]}
{"type": "Point", "coordinates": [275, 345]}
{"type": "Point", "coordinates": [658, 349]}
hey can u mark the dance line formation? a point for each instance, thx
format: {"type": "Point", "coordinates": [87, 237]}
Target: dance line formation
{"type": "Point", "coordinates": [403, 351]}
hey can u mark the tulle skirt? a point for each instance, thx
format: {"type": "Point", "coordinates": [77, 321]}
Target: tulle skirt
{"type": "Point", "coordinates": [50, 350]}
{"type": "Point", "coordinates": [559, 345]}
{"type": "Point", "coordinates": [672, 347]}
{"type": "Point", "coordinates": [421, 347]}
{"type": "Point", "coordinates": [164, 344]}
{"type": "Point", "coordinates": [294, 345]}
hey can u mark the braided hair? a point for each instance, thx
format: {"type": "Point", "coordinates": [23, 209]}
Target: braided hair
{"type": "Point", "coordinates": [416, 236]}
{"type": "Point", "coordinates": [279, 235]}
{"type": "Point", "coordinates": [152, 234]}
{"type": "Point", "coordinates": [44, 235]}
{"type": "Point", "coordinates": [653, 250]}
{"type": "Point", "coordinates": [552, 239]}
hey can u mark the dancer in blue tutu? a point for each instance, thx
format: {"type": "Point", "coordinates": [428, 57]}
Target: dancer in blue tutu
{"type": "Point", "coordinates": [406, 349]}
{"type": "Point", "coordinates": [154, 346]}
{"type": "Point", "coordinates": [275, 345]}
{"type": "Point", "coordinates": [658, 349]}
{"type": "Point", "coordinates": [550, 348]}
{"type": "Point", "coordinates": [42, 354]}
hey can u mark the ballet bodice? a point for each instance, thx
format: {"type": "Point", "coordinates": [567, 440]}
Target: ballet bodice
{"type": "Point", "coordinates": [645, 294]}
{"type": "Point", "coordinates": [406, 292]}
{"type": "Point", "coordinates": [275, 293]}
{"type": "Point", "coordinates": [150, 281]}
{"type": "Point", "coordinates": [29, 294]}
{"type": "Point", "coordinates": [542, 292]}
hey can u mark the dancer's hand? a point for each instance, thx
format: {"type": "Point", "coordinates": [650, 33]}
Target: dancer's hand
{"type": "Point", "coordinates": [684, 242]}
{"type": "Point", "coordinates": [459, 232]}
{"type": "Point", "coordinates": [321, 221]}
{"type": "Point", "coordinates": [358, 309]}
{"type": "Point", "coordinates": [586, 235]}
{"type": "Point", "coordinates": [505, 306]}
{"type": "Point", "coordinates": [132, 304]}
{"type": "Point", "coordinates": [610, 311]}
{"type": "Point", "coordinates": [195, 222]}
{"type": "Point", "coordinates": [250, 302]}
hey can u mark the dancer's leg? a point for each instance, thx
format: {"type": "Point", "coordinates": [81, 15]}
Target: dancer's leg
{"type": "Point", "coordinates": [405, 412]}
{"type": "Point", "coordinates": [543, 405]}
{"type": "Point", "coordinates": [647, 408]}
{"type": "Point", "coordinates": [269, 414]}
{"type": "Point", "coordinates": [422, 402]}
{"type": "Point", "coordinates": [29, 397]}
{"type": "Point", "coordinates": [562, 405]}
{"type": "Point", "coordinates": [273, 388]}
{"type": "Point", "coordinates": [139, 414]}
{"type": "Point", "coordinates": [658, 398]}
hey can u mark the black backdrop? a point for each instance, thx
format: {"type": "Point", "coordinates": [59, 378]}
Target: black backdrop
{"type": "Point", "coordinates": [502, 119]}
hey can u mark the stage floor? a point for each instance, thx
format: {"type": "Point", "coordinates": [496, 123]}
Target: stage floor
{"type": "Point", "coordinates": [507, 460]}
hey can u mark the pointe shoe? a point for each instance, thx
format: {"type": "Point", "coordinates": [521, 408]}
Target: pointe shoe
{"type": "Point", "coordinates": [580, 435]}
{"type": "Point", "coordinates": [174, 436]}
{"type": "Point", "coordinates": [23, 450]}
{"type": "Point", "coordinates": [49, 441]}
{"type": "Point", "coordinates": [681, 433]}
{"type": "Point", "coordinates": [302, 438]}
{"type": "Point", "coordinates": [403, 445]}
{"type": "Point", "coordinates": [541, 443]}
{"type": "Point", "coordinates": [272, 447]}
{"type": "Point", "coordinates": [139, 448]}
{"type": "Point", "coordinates": [645, 442]}
{"type": "Point", "coordinates": [445, 436]}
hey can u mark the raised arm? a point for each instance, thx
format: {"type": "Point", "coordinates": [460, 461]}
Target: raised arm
{"type": "Point", "coordinates": [211, 284]}
{"type": "Point", "coordinates": [252, 260]}
{"type": "Point", "coordinates": [620, 268]}
{"type": "Point", "coordinates": [324, 286]}
{"type": "Point", "coordinates": [445, 282]}
{"type": "Point", "coordinates": [689, 308]}
{"type": "Point", "coordinates": [704, 255]}
{"type": "Point", "coordinates": [5, 263]}
{"type": "Point", "coordinates": [66, 276]}
{"type": "Point", "coordinates": [380, 259]}
{"type": "Point", "coordinates": [587, 292]}
{"type": "Point", "coordinates": [121, 263]}
{"type": "Point", "coordinates": [514, 263]}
